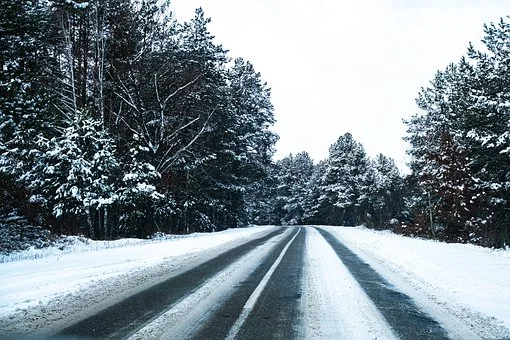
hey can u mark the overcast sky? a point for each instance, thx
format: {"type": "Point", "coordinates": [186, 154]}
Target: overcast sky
{"type": "Point", "coordinates": [337, 66]}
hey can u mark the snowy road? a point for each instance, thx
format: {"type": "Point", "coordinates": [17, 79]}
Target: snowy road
{"type": "Point", "coordinates": [268, 283]}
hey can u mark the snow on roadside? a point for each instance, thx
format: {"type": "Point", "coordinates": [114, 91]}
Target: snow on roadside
{"type": "Point", "coordinates": [335, 305]}
{"type": "Point", "coordinates": [470, 282]}
{"type": "Point", "coordinates": [29, 282]}
{"type": "Point", "coordinates": [79, 244]}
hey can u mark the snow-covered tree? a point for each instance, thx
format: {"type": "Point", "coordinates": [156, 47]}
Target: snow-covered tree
{"type": "Point", "coordinates": [459, 145]}
{"type": "Point", "coordinates": [294, 174]}
{"type": "Point", "coordinates": [343, 185]}
{"type": "Point", "coordinates": [24, 98]}
{"type": "Point", "coordinates": [142, 207]}
{"type": "Point", "coordinates": [74, 175]}
{"type": "Point", "coordinates": [386, 197]}
{"type": "Point", "coordinates": [115, 119]}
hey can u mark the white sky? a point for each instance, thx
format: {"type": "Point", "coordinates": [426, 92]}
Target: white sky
{"type": "Point", "coordinates": [337, 66]}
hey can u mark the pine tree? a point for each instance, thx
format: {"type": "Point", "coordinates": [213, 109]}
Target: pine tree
{"type": "Point", "coordinates": [342, 187]}
{"type": "Point", "coordinates": [386, 196]}
{"type": "Point", "coordinates": [260, 198]}
{"type": "Point", "coordinates": [74, 175]}
{"type": "Point", "coordinates": [142, 208]}
{"type": "Point", "coordinates": [24, 109]}
{"type": "Point", "coordinates": [488, 130]}
{"type": "Point", "coordinates": [459, 146]}
{"type": "Point", "coordinates": [117, 120]}
{"type": "Point", "coordinates": [294, 174]}
{"type": "Point", "coordinates": [313, 193]}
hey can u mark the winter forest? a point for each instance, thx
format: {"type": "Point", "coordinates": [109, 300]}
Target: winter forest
{"type": "Point", "coordinates": [116, 120]}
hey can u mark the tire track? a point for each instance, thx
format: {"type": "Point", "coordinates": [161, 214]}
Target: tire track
{"type": "Point", "coordinates": [123, 318]}
{"type": "Point", "coordinates": [276, 314]}
{"type": "Point", "coordinates": [401, 313]}
{"type": "Point", "coordinates": [220, 324]}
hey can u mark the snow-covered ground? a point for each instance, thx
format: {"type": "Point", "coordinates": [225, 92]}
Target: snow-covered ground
{"type": "Point", "coordinates": [464, 287]}
{"type": "Point", "coordinates": [24, 283]}
{"type": "Point", "coordinates": [454, 282]}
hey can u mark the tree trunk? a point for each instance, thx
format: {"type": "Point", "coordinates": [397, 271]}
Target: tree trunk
{"type": "Point", "coordinates": [431, 218]}
{"type": "Point", "coordinates": [90, 224]}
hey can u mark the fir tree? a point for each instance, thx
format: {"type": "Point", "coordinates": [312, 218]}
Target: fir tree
{"type": "Point", "coordinates": [343, 200]}
{"type": "Point", "coordinates": [387, 206]}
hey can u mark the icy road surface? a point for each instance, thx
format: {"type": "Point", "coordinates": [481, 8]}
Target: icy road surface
{"type": "Point", "coordinates": [261, 282]}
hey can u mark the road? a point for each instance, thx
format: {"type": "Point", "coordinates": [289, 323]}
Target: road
{"type": "Point", "coordinates": [264, 289]}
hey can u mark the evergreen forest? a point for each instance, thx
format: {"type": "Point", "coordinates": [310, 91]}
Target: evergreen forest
{"type": "Point", "coordinates": [117, 120]}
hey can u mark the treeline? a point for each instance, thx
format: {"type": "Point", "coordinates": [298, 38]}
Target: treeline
{"type": "Point", "coordinates": [459, 186]}
{"type": "Point", "coordinates": [348, 188]}
{"type": "Point", "coordinates": [117, 120]}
